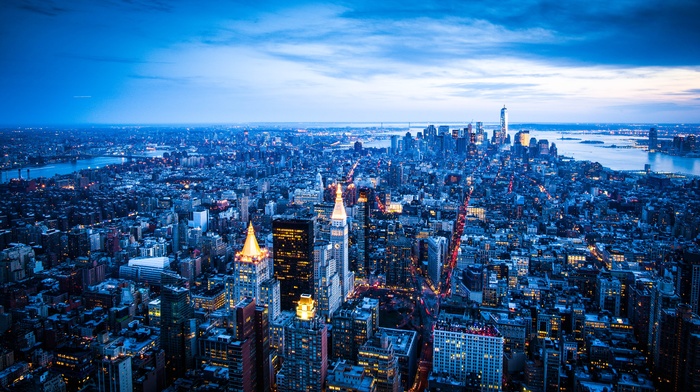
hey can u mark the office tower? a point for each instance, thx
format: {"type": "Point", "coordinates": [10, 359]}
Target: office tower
{"type": "Point", "coordinates": [360, 231]}
{"type": "Point", "coordinates": [242, 347]}
{"type": "Point", "coordinates": [408, 143]}
{"type": "Point", "coordinates": [293, 250]}
{"type": "Point", "coordinates": [551, 356]}
{"type": "Point", "coordinates": [305, 351]}
{"type": "Point", "coordinates": [397, 265]}
{"type": "Point", "coordinates": [78, 244]}
{"type": "Point", "coordinates": [394, 144]}
{"type": "Point", "coordinates": [200, 219]}
{"type": "Point", "coordinates": [462, 347]}
{"type": "Point", "coordinates": [339, 241]}
{"type": "Point", "coordinates": [653, 139]}
{"type": "Point", "coordinates": [678, 350]}
{"type": "Point", "coordinates": [500, 136]}
{"type": "Point", "coordinates": [437, 253]}
{"type": "Point", "coordinates": [248, 368]}
{"type": "Point", "coordinates": [690, 279]}
{"type": "Point", "coordinates": [379, 360]}
{"type": "Point", "coordinates": [244, 203]}
{"type": "Point", "coordinates": [177, 330]}
{"type": "Point", "coordinates": [327, 283]}
{"type": "Point", "coordinates": [662, 297]}
{"type": "Point", "coordinates": [270, 296]}
{"type": "Point", "coordinates": [251, 268]}
{"type": "Point", "coordinates": [405, 345]}
{"type": "Point", "coordinates": [114, 373]}
{"type": "Point", "coordinates": [353, 324]}
{"type": "Point", "coordinates": [395, 178]}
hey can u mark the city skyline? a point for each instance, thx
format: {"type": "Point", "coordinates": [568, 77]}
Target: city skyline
{"type": "Point", "coordinates": [153, 62]}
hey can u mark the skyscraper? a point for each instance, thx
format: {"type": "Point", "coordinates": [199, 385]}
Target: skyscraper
{"type": "Point", "coordinates": [360, 231]}
{"type": "Point", "coordinates": [252, 275]}
{"type": "Point", "coordinates": [379, 360]}
{"type": "Point", "coordinates": [177, 330]}
{"type": "Point", "coordinates": [293, 249]}
{"type": "Point", "coordinates": [114, 374]}
{"type": "Point", "coordinates": [653, 139]}
{"type": "Point", "coordinates": [305, 351]}
{"type": "Point", "coordinates": [339, 241]}
{"type": "Point", "coordinates": [504, 126]}
{"type": "Point", "coordinates": [327, 284]}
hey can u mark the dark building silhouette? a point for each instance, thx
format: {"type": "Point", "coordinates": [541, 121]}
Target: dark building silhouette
{"type": "Point", "coordinates": [293, 255]}
{"type": "Point", "coordinates": [177, 333]}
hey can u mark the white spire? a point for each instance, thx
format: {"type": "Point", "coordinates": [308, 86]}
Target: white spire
{"type": "Point", "coordinates": [339, 208]}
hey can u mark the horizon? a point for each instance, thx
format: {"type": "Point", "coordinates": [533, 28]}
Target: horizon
{"type": "Point", "coordinates": [339, 124]}
{"type": "Point", "coordinates": [182, 62]}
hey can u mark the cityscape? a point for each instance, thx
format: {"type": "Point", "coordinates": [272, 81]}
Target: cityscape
{"type": "Point", "coordinates": [468, 258]}
{"type": "Point", "coordinates": [350, 196]}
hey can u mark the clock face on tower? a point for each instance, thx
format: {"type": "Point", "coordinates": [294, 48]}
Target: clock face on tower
{"type": "Point", "coordinates": [337, 246]}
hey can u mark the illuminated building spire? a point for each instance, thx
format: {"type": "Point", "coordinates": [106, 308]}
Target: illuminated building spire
{"type": "Point", "coordinates": [339, 209]}
{"type": "Point", "coordinates": [251, 248]}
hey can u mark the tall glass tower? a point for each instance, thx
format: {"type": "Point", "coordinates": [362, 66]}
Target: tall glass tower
{"type": "Point", "coordinates": [504, 126]}
{"type": "Point", "coordinates": [293, 255]}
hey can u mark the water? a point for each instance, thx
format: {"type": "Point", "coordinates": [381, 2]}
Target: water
{"type": "Point", "coordinates": [62, 168]}
{"type": "Point", "coordinates": [51, 170]}
{"type": "Point", "coordinates": [618, 158]}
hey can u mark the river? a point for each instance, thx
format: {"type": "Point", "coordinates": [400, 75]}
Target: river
{"type": "Point", "coordinates": [53, 169]}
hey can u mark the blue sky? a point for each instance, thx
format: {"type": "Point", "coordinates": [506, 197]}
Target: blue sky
{"type": "Point", "coordinates": [145, 62]}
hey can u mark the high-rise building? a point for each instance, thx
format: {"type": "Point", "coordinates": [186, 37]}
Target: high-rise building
{"type": "Point", "coordinates": [177, 330]}
{"type": "Point", "coordinates": [360, 232]}
{"type": "Point", "coordinates": [437, 254]}
{"type": "Point", "coordinates": [251, 275]}
{"type": "Point", "coordinates": [678, 350]}
{"type": "Point", "coordinates": [114, 374]}
{"type": "Point", "coordinates": [340, 242]}
{"type": "Point", "coordinates": [503, 131]}
{"type": "Point", "coordinates": [200, 219]}
{"type": "Point", "coordinates": [653, 139]}
{"type": "Point", "coordinates": [327, 283]}
{"type": "Point", "coordinates": [354, 324]}
{"type": "Point", "coordinates": [242, 347]}
{"type": "Point", "coordinates": [293, 249]}
{"type": "Point", "coordinates": [305, 351]}
{"type": "Point", "coordinates": [244, 203]}
{"type": "Point", "coordinates": [551, 356]}
{"type": "Point", "coordinates": [248, 353]}
{"type": "Point", "coordinates": [379, 360]}
{"type": "Point", "coordinates": [462, 347]}
{"type": "Point", "coordinates": [397, 264]}
{"type": "Point", "coordinates": [395, 174]}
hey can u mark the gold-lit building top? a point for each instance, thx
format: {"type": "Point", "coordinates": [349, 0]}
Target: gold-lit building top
{"type": "Point", "coordinates": [339, 208]}
{"type": "Point", "coordinates": [306, 309]}
{"type": "Point", "coordinates": [251, 249]}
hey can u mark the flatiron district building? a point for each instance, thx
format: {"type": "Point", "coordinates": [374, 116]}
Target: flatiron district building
{"type": "Point", "coordinates": [463, 346]}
